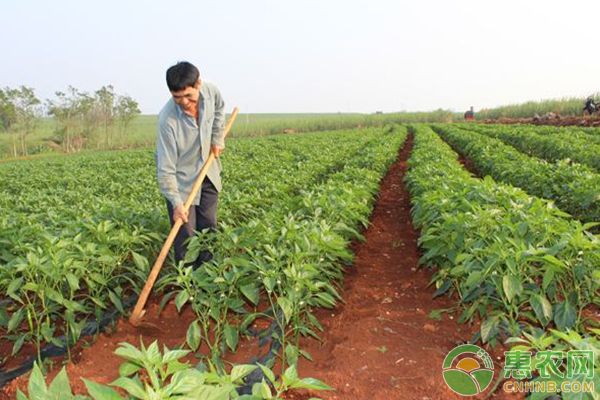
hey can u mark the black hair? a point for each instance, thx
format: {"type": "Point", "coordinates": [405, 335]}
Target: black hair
{"type": "Point", "coordinates": [182, 75]}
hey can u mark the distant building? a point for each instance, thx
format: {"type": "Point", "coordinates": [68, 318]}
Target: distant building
{"type": "Point", "coordinates": [470, 115]}
{"type": "Point", "coordinates": [378, 112]}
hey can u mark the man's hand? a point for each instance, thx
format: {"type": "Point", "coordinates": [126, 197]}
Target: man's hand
{"type": "Point", "coordinates": [216, 150]}
{"type": "Point", "coordinates": [180, 213]}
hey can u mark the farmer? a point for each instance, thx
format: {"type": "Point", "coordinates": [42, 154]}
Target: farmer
{"type": "Point", "coordinates": [190, 126]}
{"type": "Point", "coordinates": [470, 114]}
{"type": "Point", "coordinates": [590, 105]}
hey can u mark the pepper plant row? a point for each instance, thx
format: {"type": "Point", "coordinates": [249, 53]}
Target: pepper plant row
{"type": "Point", "coordinates": [513, 259]}
{"type": "Point", "coordinates": [148, 373]}
{"type": "Point", "coordinates": [73, 243]}
{"type": "Point", "coordinates": [586, 134]}
{"type": "Point", "coordinates": [549, 147]}
{"type": "Point", "coordinates": [80, 230]}
{"type": "Point", "coordinates": [574, 188]}
{"type": "Point", "coordinates": [288, 258]}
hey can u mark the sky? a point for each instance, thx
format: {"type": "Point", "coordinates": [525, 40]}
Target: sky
{"type": "Point", "coordinates": [309, 56]}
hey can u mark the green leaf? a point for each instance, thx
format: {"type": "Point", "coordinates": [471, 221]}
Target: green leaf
{"type": "Point", "coordinates": [239, 372]}
{"type": "Point", "coordinates": [553, 260]}
{"type": "Point", "coordinates": [548, 278]}
{"type": "Point", "coordinates": [286, 307]}
{"type": "Point", "coordinates": [73, 281]}
{"type": "Point", "coordinates": [231, 336]}
{"type": "Point", "coordinates": [21, 396]}
{"type": "Point", "coordinates": [310, 383]}
{"type": "Point", "coordinates": [47, 331]}
{"type": "Point", "coordinates": [262, 390]}
{"type": "Point", "coordinates": [54, 295]}
{"type": "Point", "coordinates": [306, 355]}
{"type": "Point", "coordinates": [565, 315]}
{"type": "Point", "coordinates": [173, 355]}
{"type": "Point", "coordinates": [60, 388]}
{"type": "Point", "coordinates": [251, 292]}
{"type": "Point", "coordinates": [101, 392]}
{"type": "Point", "coordinates": [326, 300]}
{"type": "Point", "coordinates": [248, 319]}
{"type": "Point", "coordinates": [443, 288]}
{"type": "Point", "coordinates": [290, 376]}
{"type": "Point", "coordinates": [128, 368]}
{"type": "Point", "coordinates": [18, 344]}
{"type": "Point", "coordinates": [474, 279]}
{"type": "Point", "coordinates": [542, 308]}
{"type": "Point", "coordinates": [131, 386]}
{"type": "Point", "coordinates": [140, 261]}
{"type": "Point", "coordinates": [512, 287]}
{"type": "Point", "coordinates": [36, 387]}
{"type": "Point", "coordinates": [116, 301]}
{"type": "Point", "coordinates": [13, 287]}
{"type": "Point", "coordinates": [177, 366]}
{"type": "Point", "coordinates": [15, 320]}
{"type": "Point", "coordinates": [291, 354]}
{"type": "Point", "coordinates": [98, 302]}
{"type": "Point", "coordinates": [267, 373]}
{"type": "Point", "coordinates": [3, 317]}
{"type": "Point", "coordinates": [163, 302]}
{"type": "Point", "coordinates": [129, 352]}
{"type": "Point", "coordinates": [192, 336]}
{"type": "Point", "coordinates": [589, 225]}
{"type": "Point", "coordinates": [181, 299]}
{"type": "Point", "coordinates": [269, 283]}
{"type": "Point", "coordinates": [489, 329]}
{"type": "Point", "coordinates": [153, 353]}
{"type": "Point", "coordinates": [184, 382]}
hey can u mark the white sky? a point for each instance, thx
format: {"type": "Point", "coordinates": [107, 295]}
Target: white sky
{"type": "Point", "coordinates": [309, 56]}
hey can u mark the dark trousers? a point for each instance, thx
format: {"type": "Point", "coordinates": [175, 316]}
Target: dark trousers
{"type": "Point", "coordinates": [200, 217]}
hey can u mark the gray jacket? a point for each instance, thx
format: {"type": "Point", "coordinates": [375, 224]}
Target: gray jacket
{"type": "Point", "coordinates": [182, 145]}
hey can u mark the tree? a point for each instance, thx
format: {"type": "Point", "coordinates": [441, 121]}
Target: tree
{"type": "Point", "coordinates": [81, 116]}
{"type": "Point", "coordinates": [126, 110]}
{"type": "Point", "coordinates": [7, 110]}
{"type": "Point", "coordinates": [105, 107]}
{"type": "Point", "coordinates": [19, 115]}
{"type": "Point", "coordinates": [70, 112]}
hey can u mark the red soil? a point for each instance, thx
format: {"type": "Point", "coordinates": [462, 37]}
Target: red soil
{"type": "Point", "coordinates": [381, 344]}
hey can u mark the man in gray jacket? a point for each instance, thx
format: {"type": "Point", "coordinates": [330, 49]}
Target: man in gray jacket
{"type": "Point", "coordinates": [190, 126]}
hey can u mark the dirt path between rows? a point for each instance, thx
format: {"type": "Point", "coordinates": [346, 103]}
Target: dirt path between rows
{"type": "Point", "coordinates": [379, 344]}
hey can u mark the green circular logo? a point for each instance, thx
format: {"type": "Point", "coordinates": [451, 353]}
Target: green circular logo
{"type": "Point", "coordinates": [468, 370]}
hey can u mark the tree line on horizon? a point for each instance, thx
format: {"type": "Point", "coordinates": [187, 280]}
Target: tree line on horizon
{"type": "Point", "coordinates": [75, 119]}
{"type": "Point", "coordinates": [80, 117]}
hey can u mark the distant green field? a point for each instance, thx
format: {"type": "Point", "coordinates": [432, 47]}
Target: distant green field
{"type": "Point", "coordinates": [142, 131]}
{"type": "Point", "coordinates": [139, 134]}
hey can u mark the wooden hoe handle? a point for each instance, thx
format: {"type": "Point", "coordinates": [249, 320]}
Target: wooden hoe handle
{"type": "Point", "coordinates": [138, 311]}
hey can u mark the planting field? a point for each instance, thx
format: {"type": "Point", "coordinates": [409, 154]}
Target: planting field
{"type": "Point", "coordinates": [47, 136]}
{"type": "Point", "coordinates": [347, 264]}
